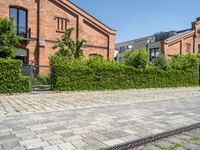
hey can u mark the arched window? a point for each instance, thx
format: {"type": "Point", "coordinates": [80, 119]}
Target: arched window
{"type": "Point", "coordinates": [20, 18]}
{"type": "Point", "coordinates": [95, 55]}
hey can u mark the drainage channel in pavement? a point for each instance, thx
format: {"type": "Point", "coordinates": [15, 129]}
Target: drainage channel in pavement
{"type": "Point", "coordinates": [153, 138]}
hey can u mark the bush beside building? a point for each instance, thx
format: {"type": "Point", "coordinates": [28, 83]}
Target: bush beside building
{"type": "Point", "coordinates": [100, 75]}
{"type": "Point", "coordinates": [11, 79]}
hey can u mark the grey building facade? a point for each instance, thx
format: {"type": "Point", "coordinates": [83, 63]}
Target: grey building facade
{"type": "Point", "coordinates": [153, 44]}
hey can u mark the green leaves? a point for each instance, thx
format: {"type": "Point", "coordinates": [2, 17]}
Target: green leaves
{"type": "Point", "coordinates": [11, 80]}
{"type": "Point", "coordinates": [8, 38]}
{"type": "Point", "coordinates": [162, 63]}
{"type": "Point", "coordinates": [187, 62]}
{"type": "Point", "coordinates": [136, 58]}
{"type": "Point", "coordinates": [69, 48]}
{"type": "Point", "coordinates": [99, 74]}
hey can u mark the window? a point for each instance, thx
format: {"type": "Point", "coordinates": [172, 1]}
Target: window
{"type": "Point", "coordinates": [188, 47]}
{"type": "Point", "coordinates": [20, 18]}
{"type": "Point", "coordinates": [22, 54]}
{"type": "Point", "coordinates": [198, 48]}
{"type": "Point", "coordinates": [122, 49]}
{"type": "Point", "coordinates": [95, 55]}
{"type": "Point", "coordinates": [154, 53]}
{"type": "Point", "coordinates": [61, 24]}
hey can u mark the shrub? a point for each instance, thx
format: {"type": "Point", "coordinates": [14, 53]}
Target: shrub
{"type": "Point", "coordinates": [187, 62]}
{"type": "Point", "coordinates": [162, 63]}
{"type": "Point", "coordinates": [101, 75]}
{"type": "Point", "coordinates": [8, 38]}
{"type": "Point", "coordinates": [136, 58]}
{"type": "Point", "coordinates": [42, 79]}
{"type": "Point", "coordinates": [11, 79]}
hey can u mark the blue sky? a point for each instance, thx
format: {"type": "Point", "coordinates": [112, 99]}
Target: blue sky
{"type": "Point", "coordinates": [137, 18]}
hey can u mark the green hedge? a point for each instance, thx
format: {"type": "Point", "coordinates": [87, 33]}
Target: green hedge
{"type": "Point", "coordinates": [80, 76]}
{"type": "Point", "coordinates": [11, 79]}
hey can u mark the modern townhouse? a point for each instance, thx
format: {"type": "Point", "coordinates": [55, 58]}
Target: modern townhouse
{"type": "Point", "coordinates": [166, 43]}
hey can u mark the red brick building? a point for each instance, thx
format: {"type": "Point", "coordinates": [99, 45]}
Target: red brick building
{"type": "Point", "coordinates": [183, 43]}
{"type": "Point", "coordinates": [166, 43]}
{"type": "Point", "coordinates": [42, 22]}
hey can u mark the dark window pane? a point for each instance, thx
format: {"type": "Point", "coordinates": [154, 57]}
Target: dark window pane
{"type": "Point", "coordinates": [13, 14]}
{"type": "Point", "coordinates": [20, 18]}
{"type": "Point", "coordinates": [22, 22]}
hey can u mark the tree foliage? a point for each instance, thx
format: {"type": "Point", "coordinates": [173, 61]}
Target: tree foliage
{"type": "Point", "coordinates": [186, 62]}
{"type": "Point", "coordinates": [162, 63]}
{"type": "Point", "coordinates": [136, 58]}
{"type": "Point", "coordinates": [8, 38]}
{"type": "Point", "coordinates": [67, 47]}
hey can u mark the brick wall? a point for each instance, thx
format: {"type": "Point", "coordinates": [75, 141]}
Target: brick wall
{"type": "Point", "coordinates": [100, 38]}
{"type": "Point", "coordinates": [184, 43]}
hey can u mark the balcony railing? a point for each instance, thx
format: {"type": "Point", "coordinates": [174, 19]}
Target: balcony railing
{"type": "Point", "coordinates": [23, 32]}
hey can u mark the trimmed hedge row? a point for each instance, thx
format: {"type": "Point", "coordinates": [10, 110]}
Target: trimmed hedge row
{"type": "Point", "coordinates": [11, 79]}
{"type": "Point", "coordinates": [115, 76]}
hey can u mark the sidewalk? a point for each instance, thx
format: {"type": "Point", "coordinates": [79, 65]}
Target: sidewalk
{"type": "Point", "coordinates": [187, 140]}
{"type": "Point", "coordinates": [95, 127]}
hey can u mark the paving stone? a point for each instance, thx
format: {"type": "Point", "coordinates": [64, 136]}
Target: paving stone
{"type": "Point", "coordinates": [52, 147]}
{"type": "Point", "coordinates": [72, 138]}
{"type": "Point", "coordinates": [113, 142]}
{"type": "Point", "coordinates": [191, 146]}
{"type": "Point", "coordinates": [94, 147]}
{"type": "Point", "coordinates": [66, 146]}
{"type": "Point", "coordinates": [79, 144]}
{"type": "Point", "coordinates": [51, 137]}
{"type": "Point", "coordinates": [10, 145]}
{"type": "Point", "coordinates": [130, 138]}
{"type": "Point", "coordinates": [7, 137]}
{"type": "Point", "coordinates": [7, 141]}
{"type": "Point", "coordinates": [92, 141]}
{"type": "Point", "coordinates": [36, 145]}
{"type": "Point", "coordinates": [151, 147]}
{"type": "Point", "coordinates": [197, 141]}
{"type": "Point", "coordinates": [130, 131]}
{"type": "Point", "coordinates": [17, 148]}
{"type": "Point", "coordinates": [164, 144]}
{"type": "Point", "coordinates": [175, 140]}
{"type": "Point", "coordinates": [179, 148]}
{"type": "Point", "coordinates": [37, 148]}
{"type": "Point", "coordinates": [68, 134]}
{"type": "Point", "coordinates": [31, 141]}
{"type": "Point", "coordinates": [184, 137]}
{"type": "Point", "coordinates": [27, 137]}
{"type": "Point", "coordinates": [55, 141]}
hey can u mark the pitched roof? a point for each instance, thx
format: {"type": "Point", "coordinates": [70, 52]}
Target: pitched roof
{"type": "Point", "coordinates": [78, 10]}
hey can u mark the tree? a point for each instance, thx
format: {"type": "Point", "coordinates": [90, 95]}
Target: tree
{"type": "Point", "coordinates": [68, 47]}
{"type": "Point", "coordinates": [8, 38]}
{"type": "Point", "coordinates": [136, 58]}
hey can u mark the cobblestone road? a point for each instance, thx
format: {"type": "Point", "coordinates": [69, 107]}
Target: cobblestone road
{"type": "Point", "coordinates": [62, 101]}
{"type": "Point", "coordinates": [93, 120]}
{"type": "Point", "coordinates": [186, 141]}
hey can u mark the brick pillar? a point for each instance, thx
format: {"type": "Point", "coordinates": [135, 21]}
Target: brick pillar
{"type": "Point", "coordinates": [42, 23]}
{"type": "Point", "coordinates": [111, 47]}
{"type": "Point", "coordinates": [164, 49]}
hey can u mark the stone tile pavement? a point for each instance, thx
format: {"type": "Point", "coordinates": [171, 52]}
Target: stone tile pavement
{"type": "Point", "coordinates": [21, 103]}
{"type": "Point", "coordinates": [96, 120]}
{"type": "Point", "coordinates": [185, 141]}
